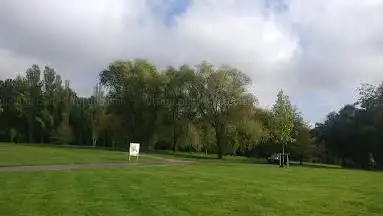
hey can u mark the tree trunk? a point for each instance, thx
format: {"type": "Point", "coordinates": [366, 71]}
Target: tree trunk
{"type": "Point", "coordinates": [30, 131]}
{"type": "Point", "coordinates": [94, 135]}
{"type": "Point", "coordinates": [218, 136]}
{"type": "Point", "coordinates": [11, 136]}
{"type": "Point", "coordinates": [30, 134]}
{"type": "Point", "coordinates": [220, 153]}
{"type": "Point", "coordinates": [301, 160]}
{"type": "Point", "coordinates": [174, 138]}
{"type": "Point", "coordinates": [80, 139]}
{"type": "Point", "coordinates": [94, 142]}
{"type": "Point", "coordinates": [283, 156]}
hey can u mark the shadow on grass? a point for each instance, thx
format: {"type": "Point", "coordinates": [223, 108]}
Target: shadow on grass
{"type": "Point", "coordinates": [210, 157]}
{"type": "Point", "coordinates": [330, 166]}
{"type": "Point", "coordinates": [314, 165]}
{"type": "Point", "coordinates": [239, 159]}
{"type": "Point", "coordinates": [184, 155]}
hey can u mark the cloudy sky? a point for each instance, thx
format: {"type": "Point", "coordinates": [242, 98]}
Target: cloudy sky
{"type": "Point", "coordinates": [318, 51]}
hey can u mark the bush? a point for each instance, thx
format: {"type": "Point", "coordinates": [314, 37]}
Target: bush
{"type": "Point", "coordinates": [63, 134]}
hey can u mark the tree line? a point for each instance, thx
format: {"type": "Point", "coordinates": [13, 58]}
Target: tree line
{"type": "Point", "coordinates": [203, 108]}
{"type": "Point", "coordinates": [353, 136]}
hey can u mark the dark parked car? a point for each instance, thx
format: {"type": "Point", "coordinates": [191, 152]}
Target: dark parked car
{"type": "Point", "coordinates": [273, 159]}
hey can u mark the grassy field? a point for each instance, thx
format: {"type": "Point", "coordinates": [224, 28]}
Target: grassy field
{"type": "Point", "coordinates": [212, 188]}
{"type": "Point", "coordinates": [14, 155]}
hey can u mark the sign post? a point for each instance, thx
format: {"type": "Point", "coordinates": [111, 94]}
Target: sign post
{"type": "Point", "coordinates": [134, 150]}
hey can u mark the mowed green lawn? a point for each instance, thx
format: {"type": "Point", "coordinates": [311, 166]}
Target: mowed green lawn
{"type": "Point", "coordinates": [14, 154]}
{"type": "Point", "coordinates": [198, 189]}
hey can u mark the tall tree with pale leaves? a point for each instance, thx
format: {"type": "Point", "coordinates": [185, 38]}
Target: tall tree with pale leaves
{"type": "Point", "coordinates": [283, 121]}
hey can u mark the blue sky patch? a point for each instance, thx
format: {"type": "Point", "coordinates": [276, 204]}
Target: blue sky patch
{"type": "Point", "coordinates": [167, 10]}
{"type": "Point", "coordinates": [177, 7]}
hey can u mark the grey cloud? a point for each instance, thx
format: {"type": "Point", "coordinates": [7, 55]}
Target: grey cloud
{"type": "Point", "coordinates": [323, 47]}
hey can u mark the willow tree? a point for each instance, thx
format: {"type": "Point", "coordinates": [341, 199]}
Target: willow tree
{"type": "Point", "coordinates": [133, 88]}
{"type": "Point", "coordinates": [177, 95]}
{"type": "Point", "coordinates": [218, 91]}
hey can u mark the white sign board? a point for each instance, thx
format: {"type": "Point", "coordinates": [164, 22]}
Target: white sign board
{"type": "Point", "coordinates": [134, 150]}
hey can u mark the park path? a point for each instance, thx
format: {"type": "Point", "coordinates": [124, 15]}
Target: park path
{"type": "Point", "coordinates": [160, 162]}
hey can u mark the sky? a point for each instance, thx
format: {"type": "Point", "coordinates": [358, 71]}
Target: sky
{"type": "Point", "coordinates": [317, 52]}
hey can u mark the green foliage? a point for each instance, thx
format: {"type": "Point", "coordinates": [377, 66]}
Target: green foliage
{"type": "Point", "coordinates": [134, 87]}
{"type": "Point", "coordinates": [63, 134]}
{"type": "Point", "coordinates": [219, 93]}
{"type": "Point", "coordinates": [282, 120]}
{"type": "Point", "coordinates": [203, 108]}
{"type": "Point", "coordinates": [355, 131]}
{"type": "Point", "coordinates": [303, 146]}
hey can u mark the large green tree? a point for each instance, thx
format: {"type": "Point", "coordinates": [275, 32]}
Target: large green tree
{"type": "Point", "coordinates": [178, 101]}
{"type": "Point", "coordinates": [218, 91]}
{"type": "Point", "coordinates": [134, 91]}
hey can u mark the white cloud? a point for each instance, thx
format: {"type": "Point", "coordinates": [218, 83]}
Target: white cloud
{"type": "Point", "coordinates": [321, 49]}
